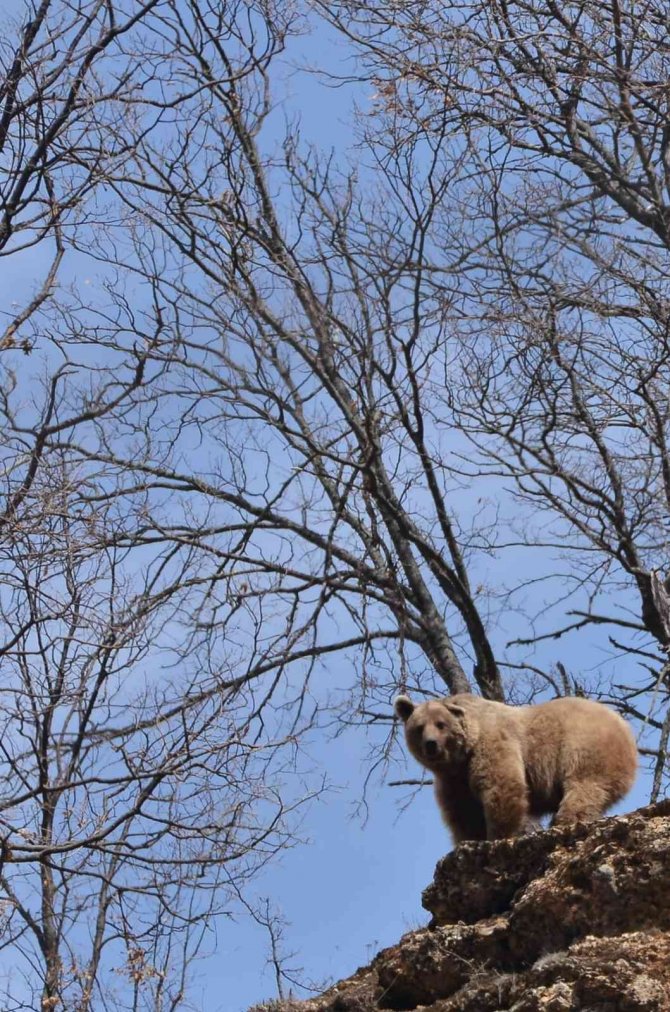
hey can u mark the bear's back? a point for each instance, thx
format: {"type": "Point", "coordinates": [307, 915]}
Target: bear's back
{"type": "Point", "coordinates": [573, 737]}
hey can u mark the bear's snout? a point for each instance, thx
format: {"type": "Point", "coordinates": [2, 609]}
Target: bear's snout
{"type": "Point", "coordinates": [431, 748]}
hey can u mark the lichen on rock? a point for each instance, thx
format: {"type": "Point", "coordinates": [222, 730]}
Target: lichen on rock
{"type": "Point", "coordinates": [567, 919]}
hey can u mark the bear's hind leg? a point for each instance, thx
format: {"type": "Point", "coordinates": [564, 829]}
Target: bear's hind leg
{"type": "Point", "coordinates": [582, 801]}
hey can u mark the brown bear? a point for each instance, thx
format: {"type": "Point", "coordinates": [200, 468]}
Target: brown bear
{"type": "Point", "coordinates": [498, 768]}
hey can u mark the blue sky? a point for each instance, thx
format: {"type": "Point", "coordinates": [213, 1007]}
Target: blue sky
{"type": "Point", "coordinates": [355, 885]}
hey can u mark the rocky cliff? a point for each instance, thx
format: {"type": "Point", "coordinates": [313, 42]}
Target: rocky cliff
{"type": "Point", "coordinates": [575, 918]}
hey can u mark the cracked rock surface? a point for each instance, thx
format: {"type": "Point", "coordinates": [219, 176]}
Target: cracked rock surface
{"type": "Point", "coordinates": [565, 919]}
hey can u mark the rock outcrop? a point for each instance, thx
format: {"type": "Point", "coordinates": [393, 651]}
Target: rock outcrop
{"type": "Point", "coordinates": [572, 918]}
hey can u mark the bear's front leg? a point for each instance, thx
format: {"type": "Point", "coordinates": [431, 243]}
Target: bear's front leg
{"type": "Point", "coordinates": [498, 778]}
{"type": "Point", "coordinates": [461, 810]}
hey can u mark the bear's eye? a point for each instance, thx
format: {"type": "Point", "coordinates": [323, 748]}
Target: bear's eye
{"type": "Point", "coordinates": [440, 725]}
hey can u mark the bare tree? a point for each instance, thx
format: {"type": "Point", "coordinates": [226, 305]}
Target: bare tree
{"type": "Point", "coordinates": [287, 333]}
{"type": "Point", "coordinates": [559, 113]}
{"type": "Point", "coordinates": [60, 126]}
{"type": "Point", "coordinates": [130, 795]}
{"type": "Point", "coordinates": [274, 457]}
{"type": "Point", "coordinates": [144, 780]}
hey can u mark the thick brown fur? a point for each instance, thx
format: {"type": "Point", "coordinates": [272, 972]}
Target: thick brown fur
{"type": "Point", "coordinates": [498, 768]}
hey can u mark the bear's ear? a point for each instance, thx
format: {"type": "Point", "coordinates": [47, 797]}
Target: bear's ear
{"type": "Point", "coordinates": [454, 708]}
{"type": "Point", "coordinates": [404, 707]}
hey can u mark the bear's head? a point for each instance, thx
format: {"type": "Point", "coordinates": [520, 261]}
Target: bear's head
{"type": "Point", "coordinates": [434, 730]}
